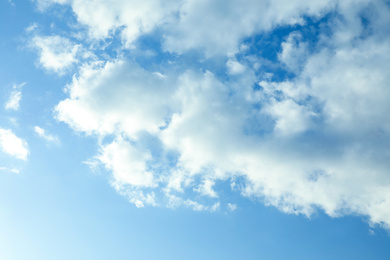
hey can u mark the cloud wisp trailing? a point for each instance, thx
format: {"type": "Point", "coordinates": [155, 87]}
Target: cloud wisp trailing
{"type": "Point", "coordinates": [11, 170]}
{"type": "Point", "coordinates": [302, 130]}
{"type": "Point", "coordinates": [48, 137]}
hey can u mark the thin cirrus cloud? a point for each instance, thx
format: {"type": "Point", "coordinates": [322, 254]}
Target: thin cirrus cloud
{"type": "Point", "coordinates": [315, 139]}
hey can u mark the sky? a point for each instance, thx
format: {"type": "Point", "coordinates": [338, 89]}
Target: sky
{"type": "Point", "coordinates": [194, 129]}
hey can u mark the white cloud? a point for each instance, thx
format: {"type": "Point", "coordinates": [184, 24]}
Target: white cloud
{"type": "Point", "coordinates": [43, 4]}
{"type": "Point", "coordinates": [14, 98]}
{"type": "Point", "coordinates": [56, 53]}
{"type": "Point", "coordinates": [290, 117]}
{"type": "Point", "coordinates": [317, 140]}
{"type": "Point", "coordinates": [48, 137]}
{"type": "Point", "coordinates": [232, 207]}
{"type": "Point", "coordinates": [13, 145]}
{"type": "Point", "coordinates": [32, 27]}
{"type": "Point", "coordinates": [13, 101]}
{"type": "Point", "coordinates": [205, 127]}
{"type": "Point", "coordinates": [122, 158]}
{"type": "Point", "coordinates": [131, 17]}
{"type": "Point", "coordinates": [235, 67]}
{"type": "Point", "coordinates": [194, 205]}
{"type": "Point", "coordinates": [206, 188]}
{"type": "Point", "coordinates": [11, 170]}
{"type": "Point", "coordinates": [294, 52]}
{"type": "Point", "coordinates": [135, 196]}
{"type": "Point", "coordinates": [195, 24]}
{"type": "Point", "coordinates": [348, 80]}
{"type": "Point", "coordinates": [137, 101]}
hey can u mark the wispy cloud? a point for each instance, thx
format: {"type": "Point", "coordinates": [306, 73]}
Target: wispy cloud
{"type": "Point", "coordinates": [48, 137]}
{"type": "Point", "coordinates": [32, 27]}
{"type": "Point", "coordinates": [232, 207]}
{"type": "Point", "coordinates": [14, 98]}
{"type": "Point", "coordinates": [11, 170]}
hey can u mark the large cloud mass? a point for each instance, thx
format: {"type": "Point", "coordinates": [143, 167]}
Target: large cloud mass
{"type": "Point", "coordinates": [318, 138]}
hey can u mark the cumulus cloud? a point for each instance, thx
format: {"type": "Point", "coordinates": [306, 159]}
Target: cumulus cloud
{"type": "Point", "coordinates": [56, 53]}
{"type": "Point", "coordinates": [294, 52]}
{"type": "Point", "coordinates": [235, 67]}
{"type": "Point", "coordinates": [121, 157]}
{"type": "Point", "coordinates": [317, 139]}
{"type": "Point", "coordinates": [138, 100]}
{"type": "Point", "coordinates": [193, 24]}
{"type": "Point", "coordinates": [290, 118]}
{"type": "Point", "coordinates": [48, 137]}
{"type": "Point", "coordinates": [13, 145]}
{"type": "Point", "coordinates": [132, 17]}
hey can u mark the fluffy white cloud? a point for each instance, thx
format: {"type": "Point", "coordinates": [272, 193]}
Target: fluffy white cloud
{"type": "Point", "coordinates": [206, 128]}
{"type": "Point", "coordinates": [215, 27]}
{"type": "Point", "coordinates": [56, 53]}
{"type": "Point", "coordinates": [294, 52]}
{"type": "Point", "coordinates": [121, 96]}
{"type": "Point", "coordinates": [235, 67]}
{"type": "Point", "coordinates": [317, 140]}
{"type": "Point", "coordinates": [121, 158]}
{"type": "Point", "coordinates": [346, 83]}
{"type": "Point", "coordinates": [290, 117]}
{"type": "Point", "coordinates": [130, 16]}
{"type": "Point", "coordinates": [13, 145]}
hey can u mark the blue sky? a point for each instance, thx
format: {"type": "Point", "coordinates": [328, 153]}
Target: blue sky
{"type": "Point", "coordinates": [194, 129]}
